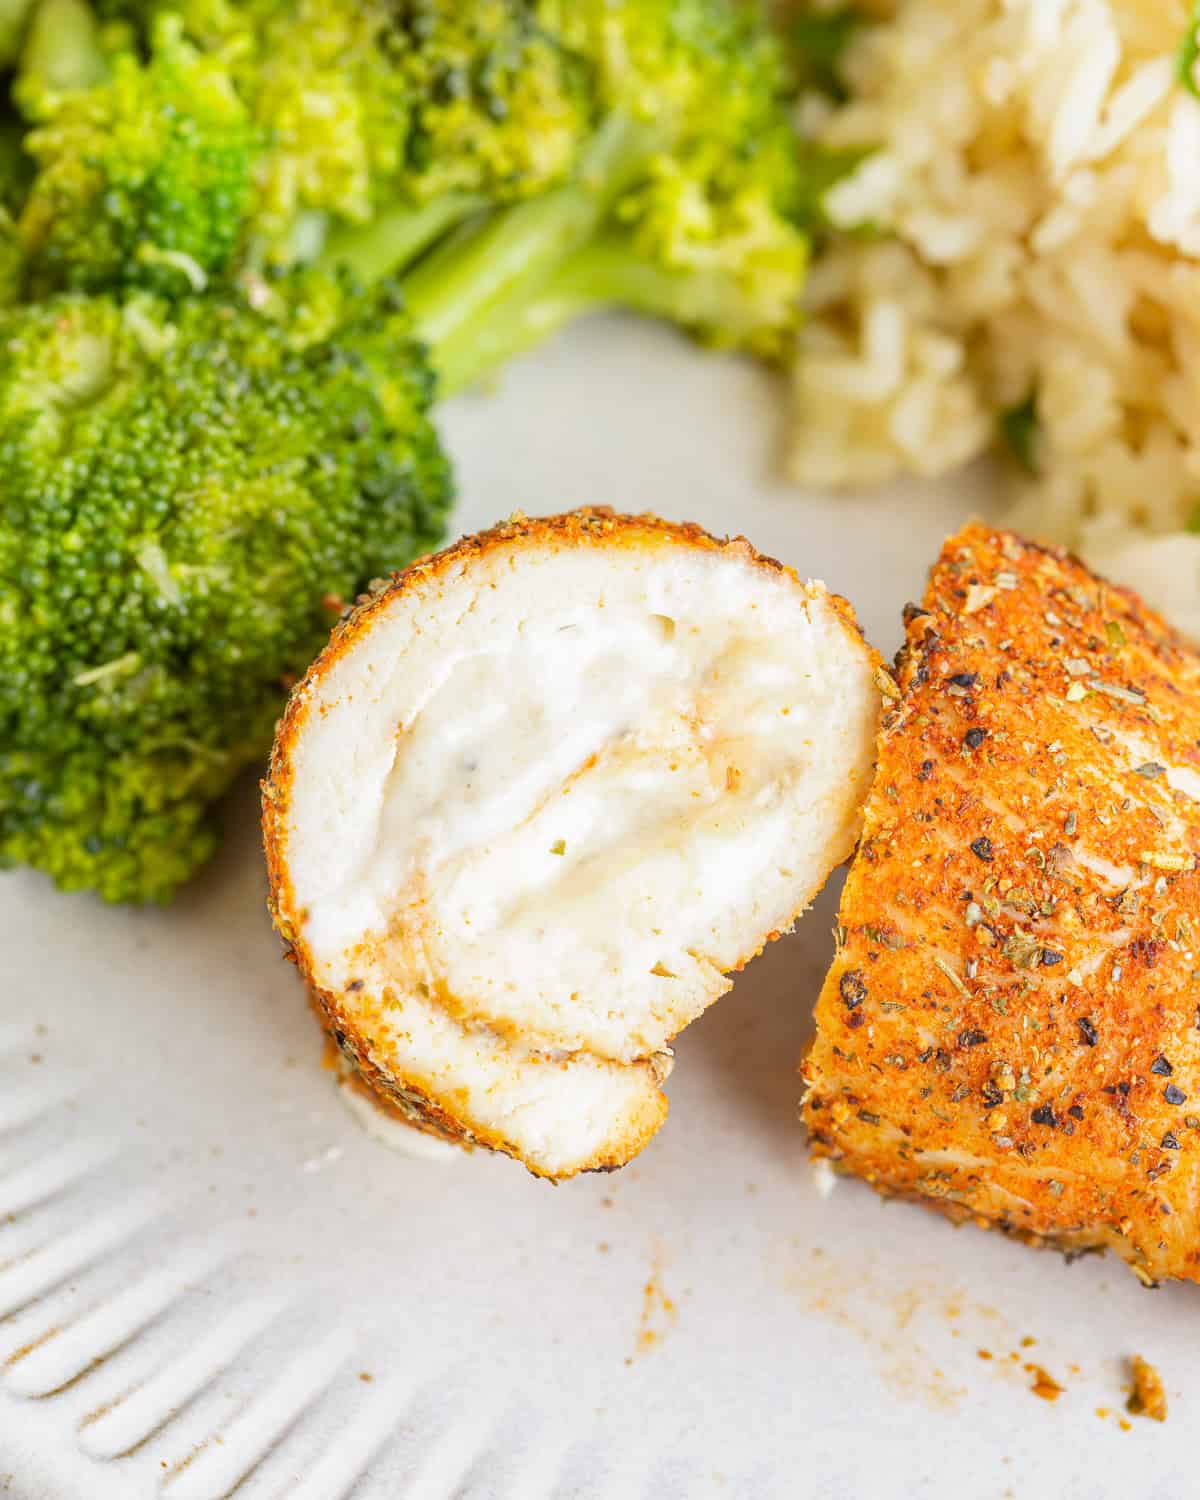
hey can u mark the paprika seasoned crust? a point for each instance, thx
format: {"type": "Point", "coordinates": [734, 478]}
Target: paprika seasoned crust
{"type": "Point", "coordinates": [1010, 1031]}
{"type": "Point", "coordinates": [541, 795]}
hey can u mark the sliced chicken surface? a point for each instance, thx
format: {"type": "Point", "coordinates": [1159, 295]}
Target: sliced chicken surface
{"type": "Point", "coordinates": [541, 795]}
{"type": "Point", "coordinates": [1010, 1030]}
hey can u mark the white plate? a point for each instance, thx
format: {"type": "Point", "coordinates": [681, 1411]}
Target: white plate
{"type": "Point", "coordinates": [202, 1256]}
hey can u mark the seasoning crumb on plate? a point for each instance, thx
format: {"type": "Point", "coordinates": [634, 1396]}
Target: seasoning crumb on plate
{"type": "Point", "coordinates": [1044, 1384]}
{"type": "Point", "coordinates": [1148, 1397]}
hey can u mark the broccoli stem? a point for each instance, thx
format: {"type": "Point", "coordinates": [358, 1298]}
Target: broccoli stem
{"type": "Point", "coordinates": [397, 236]}
{"type": "Point", "coordinates": [62, 48]}
{"type": "Point", "coordinates": [520, 247]}
{"type": "Point", "coordinates": [606, 273]}
{"type": "Point", "coordinates": [480, 291]}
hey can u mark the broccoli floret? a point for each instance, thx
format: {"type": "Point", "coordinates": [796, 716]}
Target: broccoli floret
{"type": "Point", "coordinates": [190, 492]}
{"type": "Point", "coordinates": [321, 83]}
{"type": "Point", "coordinates": [478, 98]}
{"type": "Point", "coordinates": [202, 138]}
{"type": "Point", "coordinates": [723, 204]}
{"type": "Point", "coordinates": [478, 147]}
{"type": "Point", "coordinates": [690, 175]}
{"type": "Point", "coordinates": [146, 176]}
{"type": "Point", "coordinates": [499, 105]}
{"type": "Point", "coordinates": [369, 107]}
{"type": "Point", "coordinates": [131, 827]}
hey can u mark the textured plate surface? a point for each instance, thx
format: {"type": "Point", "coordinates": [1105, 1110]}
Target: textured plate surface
{"type": "Point", "coordinates": [213, 1283]}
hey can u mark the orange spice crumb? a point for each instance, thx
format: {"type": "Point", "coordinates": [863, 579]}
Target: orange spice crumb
{"type": "Point", "coordinates": [1148, 1397]}
{"type": "Point", "coordinates": [1044, 1384]}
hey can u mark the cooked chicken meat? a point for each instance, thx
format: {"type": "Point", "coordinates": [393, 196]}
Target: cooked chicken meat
{"type": "Point", "coordinates": [541, 795]}
{"type": "Point", "coordinates": [1010, 1029]}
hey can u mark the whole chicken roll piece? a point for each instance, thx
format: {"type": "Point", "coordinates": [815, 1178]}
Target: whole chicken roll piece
{"type": "Point", "coordinates": [539, 797]}
{"type": "Point", "coordinates": [1010, 1030]}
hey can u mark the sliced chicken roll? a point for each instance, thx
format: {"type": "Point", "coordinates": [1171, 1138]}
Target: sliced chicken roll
{"type": "Point", "coordinates": [539, 797]}
{"type": "Point", "coordinates": [1010, 1029]}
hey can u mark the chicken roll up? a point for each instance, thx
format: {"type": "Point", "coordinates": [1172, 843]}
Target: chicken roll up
{"type": "Point", "coordinates": [1010, 1030]}
{"type": "Point", "coordinates": [538, 799]}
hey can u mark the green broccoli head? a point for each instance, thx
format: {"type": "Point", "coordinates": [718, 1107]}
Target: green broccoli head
{"type": "Point", "coordinates": [191, 491]}
{"type": "Point", "coordinates": [146, 177]}
{"type": "Point", "coordinates": [401, 98]}
{"type": "Point", "coordinates": [370, 104]}
{"type": "Point", "coordinates": [204, 136]}
{"type": "Point", "coordinates": [131, 827]}
{"type": "Point", "coordinates": [235, 133]}
{"type": "Point", "coordinates": [498, 104]}
{"type": "Point", "coordinates": [722, 194]}
{"type": "Point", "coordinates": [321, 82]}
{"type": "Point", "coordinates": [687, 202]}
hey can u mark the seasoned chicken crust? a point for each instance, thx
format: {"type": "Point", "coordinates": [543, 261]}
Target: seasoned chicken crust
{"type": "Point", "coordinates": [1010, 1030]}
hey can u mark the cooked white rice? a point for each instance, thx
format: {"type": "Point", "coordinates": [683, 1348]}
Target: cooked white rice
{"type": "Point", "coordinates": [1037, 174]}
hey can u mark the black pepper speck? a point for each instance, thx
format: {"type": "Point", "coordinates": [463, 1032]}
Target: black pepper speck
{"type": "Point", "coordinates": [853, 988]}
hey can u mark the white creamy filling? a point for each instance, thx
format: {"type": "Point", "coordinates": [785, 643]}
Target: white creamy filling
{"type": "Point", "coordinates": [564, 807]}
